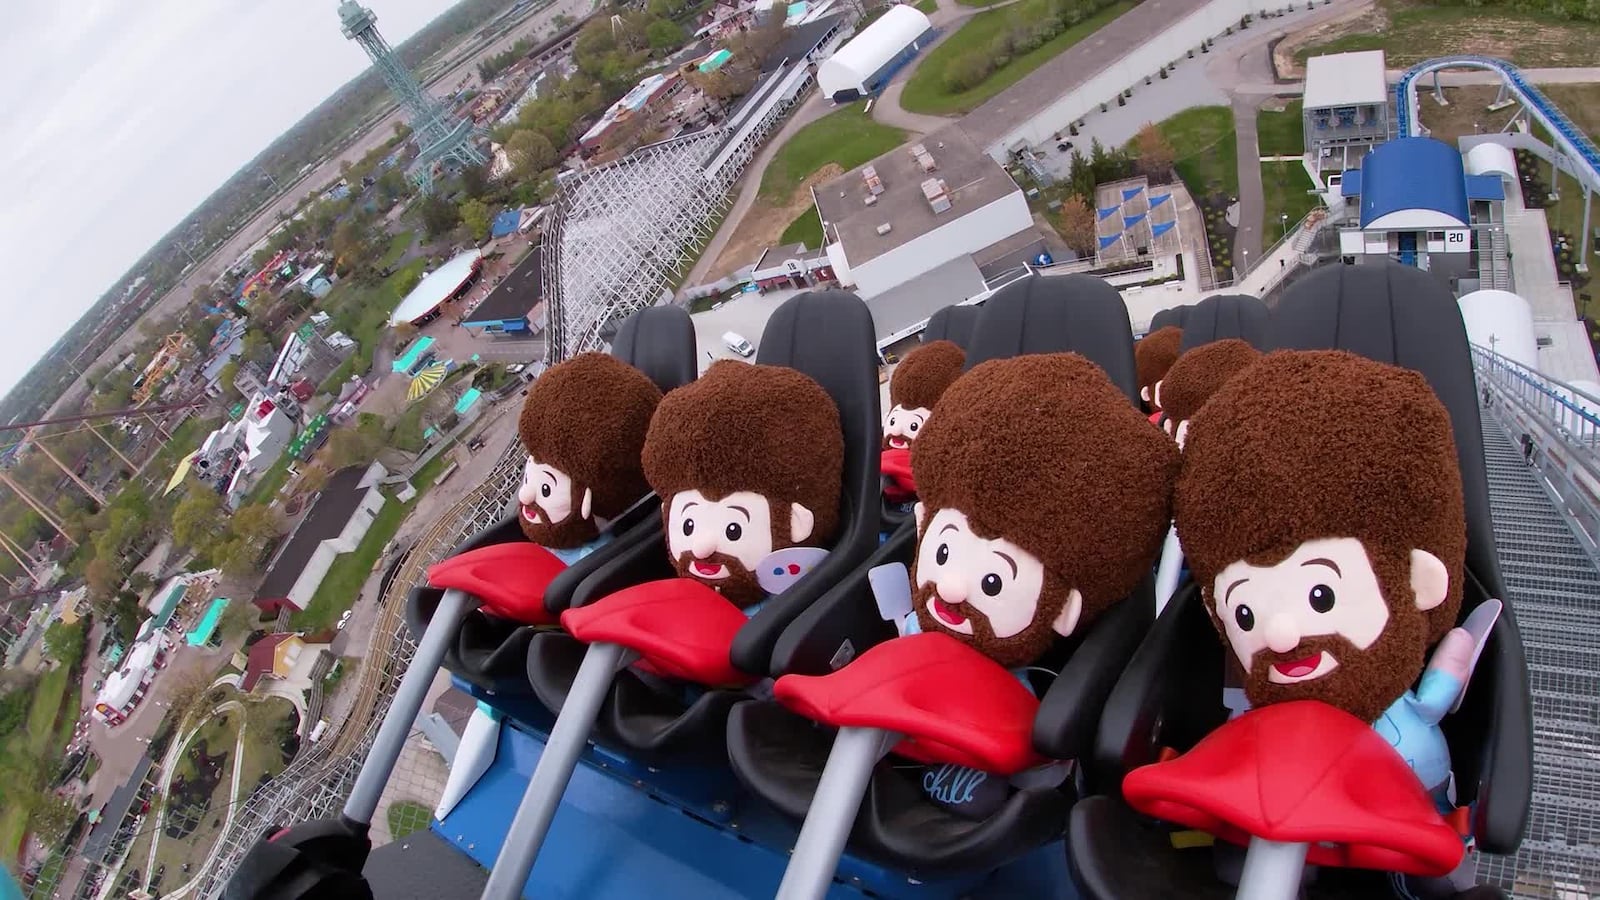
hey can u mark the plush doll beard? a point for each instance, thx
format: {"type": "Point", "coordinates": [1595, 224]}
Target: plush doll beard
{"type": "Point", "coordinates": [740, 587]}
{"type": "Point", "coordinates": [1020, 649]}
{"type": "Point", "coordinates": [573, 531]}
{"type": "Point", "coordinates": [1365, 682]}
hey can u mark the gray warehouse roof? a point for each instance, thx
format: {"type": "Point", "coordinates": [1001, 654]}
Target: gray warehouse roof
{"type": "Point", "coordinates": [972, 178]}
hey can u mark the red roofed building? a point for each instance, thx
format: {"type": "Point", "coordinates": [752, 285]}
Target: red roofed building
{"type": "Point", "coordinates": [273, 656]}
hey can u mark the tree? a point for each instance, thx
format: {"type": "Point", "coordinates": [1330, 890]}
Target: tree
{"type": "Point", "coordinates": [351, 447]}
{"type": "Point", "coordinates": [352, 241]}
{"type": "Point", "coordinates": [392, 185]}
{"type": "Point", "coordinates": [439, 216]}
{"type": "Point", "coordinates": [475, 216]}
{"type": "Point", "coordinates": [663, 34]}
{"type": "Point", "coordinates": [530, 152]}
{"type": "Point", "coordinates": [139, 582]}
{"type": "Point", "coordinates": [64, 643]}
{"type": "Point", "coordinates": [198, 519]}
{"type": "Point", "coordinates": [237, 619]}
{"type": "Point", "coordinates": [226, 378]}
{"type": "Point", "coordinates": [313, 478]}
{"type": "Point", "coordinates": [236, 558]}
{"type": "Point", "coordinates": [1155, 153]}
{"type": "Point", "coordinates": [185, 689]}
{"type": "Point", "coordinates": [103, 577]}
{"type": "Point", "coordinates": [258, 525]}
{"type": "Point", "coordinates": [1075, 222]}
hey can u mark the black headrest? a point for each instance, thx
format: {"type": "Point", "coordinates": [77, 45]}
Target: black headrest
{"type": "Point", "coordinates": [1227, 316]}
{"type": "Point", "coordinates": [953, 323]}
{"type": "Point", "coordinates": [1058, 314]}
{"type": "Point", "coordinates": [1399, 314]}
{"type": "Point", "coordinates": [1176, 315]}
{"type": "Point", "coordinates": [658, 341]}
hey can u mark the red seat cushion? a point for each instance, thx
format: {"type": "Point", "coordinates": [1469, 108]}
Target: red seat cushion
{"type": "Point", "coordinates": [951, 703]}
{"type": "Point", "coordinates": [899, 485]}
{"type": "Point", "coordinates": [509, 579]}
{"type": "Point", "coordinates": [680, 627]}
{"type": "Point", "coordinates": [1303, 772]}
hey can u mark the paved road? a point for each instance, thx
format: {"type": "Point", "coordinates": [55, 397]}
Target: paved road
{"type": "Point", "coordinates": [1252, 199]}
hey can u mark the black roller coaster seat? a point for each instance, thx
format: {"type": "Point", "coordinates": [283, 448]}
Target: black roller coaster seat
{"type": "Point", "coordinates": [1171, 693]}
{"type": "Point", "coordinates": [829, 336]}
{"type": "Point", "coordinates": [1224, 317]}
{"type": "Point", "coordinates": [491, 652]}
{"type": "Point", "coordinates": [953, 323]}
{"type": "Point", "coordinates": [1176, 315]}
{"type": "Point", "coordinates": [780, 755]}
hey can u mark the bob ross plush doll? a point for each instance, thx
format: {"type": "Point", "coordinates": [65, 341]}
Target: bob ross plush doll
{"type": "Point", "coordinates": [917, 384]}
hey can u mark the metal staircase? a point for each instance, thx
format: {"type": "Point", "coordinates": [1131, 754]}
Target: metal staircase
{"type": "Point", "coordinates": [1495, 264]}
{"type": "Point", "coordinates": [1554, 589]}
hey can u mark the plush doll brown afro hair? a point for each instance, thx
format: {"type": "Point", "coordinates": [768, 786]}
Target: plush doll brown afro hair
{"type": "Point", "coordinates": [588, 417]}
{"type": "Point", "coordinates": [1044, 451]}
{"type": "Point", "coordinates": [1200, 373]}
{"type": "Point", "coordinates": [767, 429]}
{"type": "Point", "coordinates": [1308, 445]}
{"type": "Point", "coordinates": [924, 375]}
{"type": "Point", "coordinates": [1153, 356]}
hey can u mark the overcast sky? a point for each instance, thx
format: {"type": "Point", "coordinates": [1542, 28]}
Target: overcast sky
{"type": "Point", "coordinates": [122, 115]}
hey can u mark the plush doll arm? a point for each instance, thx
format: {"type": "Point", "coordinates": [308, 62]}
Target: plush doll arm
{"type": "Point", "coordinates": [1446, 675]}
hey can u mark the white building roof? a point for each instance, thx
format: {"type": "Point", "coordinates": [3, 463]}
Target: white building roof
{"type": "Point", "coordinates": [1503, 322]}
{"type": "Point", "coordinates": [1346, 79]}
{"type": "Point", "coordinates": [870, 50]}
{"type": "Point", "coordinates": [119, 688]}
{"type": "Point", "coordinates": [433, 290]}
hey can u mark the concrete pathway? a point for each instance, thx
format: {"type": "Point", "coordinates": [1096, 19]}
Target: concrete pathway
{"type": "Point", "coordinates": [811, 109]}
{"type": "Point", "coordinates": [1252, 200]}
{"type": "Point", "coordinates": [886, 109]}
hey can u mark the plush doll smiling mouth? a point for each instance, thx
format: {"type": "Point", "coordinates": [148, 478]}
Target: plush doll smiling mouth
{"type": "Point", "coordinates": [951, 614]}
{"type": "Point", "coordinates": [531, 513]}
{"type": "Point", "coordinates": [709, 568]}
{"type": "Point", "coordinates": [897, 442]}
{"type": "Point", "coordinates": [1302, 667]}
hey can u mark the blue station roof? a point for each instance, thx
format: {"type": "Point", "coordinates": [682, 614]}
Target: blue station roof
{"type": "Point", "coordinates": [1413, 173]}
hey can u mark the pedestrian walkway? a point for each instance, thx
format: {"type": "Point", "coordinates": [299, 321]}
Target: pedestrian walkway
{"type": "Point", "coordinates": [1252, 202]}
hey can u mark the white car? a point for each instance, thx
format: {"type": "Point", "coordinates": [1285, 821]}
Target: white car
{"type": "Point", "coordinates": [344, 619]}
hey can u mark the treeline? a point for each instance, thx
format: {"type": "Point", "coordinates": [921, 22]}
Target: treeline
{"type": "Point", "coordinates": [1571, 10]}
{"type": "Point", "coordinates": [1031, 25]}
{"type": "Point", "coordinates": [499, 62]}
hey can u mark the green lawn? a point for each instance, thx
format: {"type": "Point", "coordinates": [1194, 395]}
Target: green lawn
{"type": "Point", "coordinates": [262, 753]}
{"type": "Point", "coordinates": [408, 817]}
{"type": "Point", "coordinates": [807, 229]}
{"type": "Point", "coordinates": [45, 737]}
{"type": "Point", "coordinates": [928, 6]}
{"type": "Point", "coordinates": [342, 585]}
{"type": "Point", "coordinates": [1283, 186]}
{"type": "Point", "coordinates": [429, 473]}
{"type": "Point", "coordinates": [363, 314]}
{"type": "Point", "coordinates": [1416, 32]}
{"type": "Point", "coordinates": [1280, 133]}
{"type": "Point", "coordinates": [846, 137]}
{"type": "Point", "coordinates": [926, 91]}
{"type": "Point", "coordinates": [220, 738]}
{"type": "Point", "coordinates": [398, 245]}
{"type": "Point", "coordinates": [1204, 134]}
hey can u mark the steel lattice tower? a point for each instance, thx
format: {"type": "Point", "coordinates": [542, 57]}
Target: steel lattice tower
{"type": "Point", "coordinates": [439, 137]}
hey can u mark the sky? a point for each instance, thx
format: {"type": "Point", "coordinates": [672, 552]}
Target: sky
{"type": "Point", "coordinates": [122, 115]}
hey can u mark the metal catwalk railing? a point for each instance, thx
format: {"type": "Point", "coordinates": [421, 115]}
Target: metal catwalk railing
{"type": "Point", "coordinates": [1538, 502]}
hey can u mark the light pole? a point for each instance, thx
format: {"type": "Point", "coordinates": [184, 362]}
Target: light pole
{"type": "Point", "coordinates": [1285, 219]}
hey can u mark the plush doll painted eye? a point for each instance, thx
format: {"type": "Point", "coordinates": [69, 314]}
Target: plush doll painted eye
{"type": "Point", "coordinates": [748, 461]}
{"type": "Point", "coordinates": [1320, 508]}
{"type": "Point", "coordinates": [1152, 357]}
{"type": "Point", "coordinates": [1196, 377]}
{"type": "Point", "coordinates": [583, 426]}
